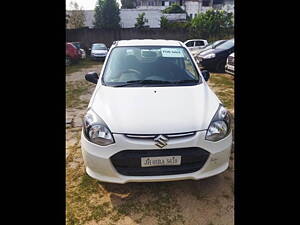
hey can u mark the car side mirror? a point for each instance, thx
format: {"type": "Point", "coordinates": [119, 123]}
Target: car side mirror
{"type": "Point", "coordinates": [92, 77]}
{"type": "Point", "coordinates": [205, 74]}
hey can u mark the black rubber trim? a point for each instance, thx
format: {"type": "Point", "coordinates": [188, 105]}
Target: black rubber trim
{"type": "Point", "coordinates": [128, 162]}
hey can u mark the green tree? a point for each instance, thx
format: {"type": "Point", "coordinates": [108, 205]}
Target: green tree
{"type": "Point", "coordinates": [213, 24]}
{"type": "Point", "coordinates": [76, 17]}
{"type": "Point", "coordinates": [174, 8]}
{"type": "Point", "coordinates": [141, 21]}
{"type": "Point", "coordinates": [107, 14]}
{"type": "Point", "coordinates": [164, 22]}
{"type": "Point", "coordinates": [67, 19]}
{"type": "Point", "coordinates": [128, 4]}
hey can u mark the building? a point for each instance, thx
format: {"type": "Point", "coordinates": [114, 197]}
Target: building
{"type": "Point", "coordinates": [192, 7]}
{"type": "Point", "coordinates": [152, 10]}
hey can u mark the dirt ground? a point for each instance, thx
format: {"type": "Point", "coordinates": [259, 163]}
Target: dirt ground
{"type": "Point", "coordinates": [90, 202]}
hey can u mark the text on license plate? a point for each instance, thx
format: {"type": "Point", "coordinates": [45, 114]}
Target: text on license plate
{"type": "Point", "coordinates": [161, 161]}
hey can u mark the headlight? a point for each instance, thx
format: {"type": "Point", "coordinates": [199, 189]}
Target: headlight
{"type": "Point", "coordinates": [95, 130]}
{"type": "Point", "coordinates": [219, 126]}
{"type": "Point", "coordinates": [209, 56]}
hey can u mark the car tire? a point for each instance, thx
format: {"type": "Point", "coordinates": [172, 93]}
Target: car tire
{"type": "Point", "coordinates": [220, 68]}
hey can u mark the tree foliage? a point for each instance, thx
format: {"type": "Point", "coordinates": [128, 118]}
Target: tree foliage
{"type": "Point", "coordinates": [107, 14]}
{"type": "Point", "coordinates": [173, 25]}
{"type": "Point", "coordinates": [164, 22]}
{"type": "Point", "coordinates": [174, 8]}
{"type": "Point", "coordinates": [76, 17]}
{"type": "Point", "coordinates": [212, 24]}
{"type": "Point", "coordinates": [128, 4]}
{"type": "Point", "coordinates": [141, 21]}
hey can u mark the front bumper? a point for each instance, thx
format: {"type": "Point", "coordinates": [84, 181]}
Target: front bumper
{"type": "Point", "coordinates": [229, 69]}
{"type": "Point", "coordinates": [99, 165]}
{"type": "Point", "coordinates": [98, 57]}
{"type": "Point", "coordinates": [208, 64]}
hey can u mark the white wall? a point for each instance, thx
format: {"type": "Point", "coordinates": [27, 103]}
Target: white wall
{"type": "Point", "coordinates": [128, 17]}
{"type": "Point", "coordinates": [192, 7]}
{"type": "Point", "coordinates": [228, 7]}
{"type": "Point", "coordinates": [177, 16]}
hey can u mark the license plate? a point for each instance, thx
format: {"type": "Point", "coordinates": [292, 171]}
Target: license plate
{"type": "Point", "coordinates": [230, 67]}
{"type": "Point", "coordinates": [161, 161]}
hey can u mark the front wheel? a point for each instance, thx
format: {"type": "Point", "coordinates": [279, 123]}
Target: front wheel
{"type": "Point", "coordinates": [220, 67]}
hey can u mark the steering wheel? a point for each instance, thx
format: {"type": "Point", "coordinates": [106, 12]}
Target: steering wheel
{"type": "Point", "coordinates": [133, 75]}
{"type": "Point", "coordinates": [129, 71]}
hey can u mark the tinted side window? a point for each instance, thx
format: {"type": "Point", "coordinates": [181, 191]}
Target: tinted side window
{"type": "Point", "coordinates": [199, 43]}
{"type": "Point", "coordinates": [190, 44]}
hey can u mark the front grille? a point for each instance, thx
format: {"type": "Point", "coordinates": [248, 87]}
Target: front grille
{"type": "Point", "coordinates": [152, 136]}
{"type": "Point", "coordinates": [128, 162]}
{"type": "Point", "coordinates": [231, 60]}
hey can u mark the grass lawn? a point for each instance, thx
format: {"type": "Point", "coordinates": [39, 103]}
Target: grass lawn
{"type": "Point", "coordinates": [223, 86]}
{"type": "Point", "coordinates": [84, 63]}
{"type": "Point", "coordinates": [90, 202]}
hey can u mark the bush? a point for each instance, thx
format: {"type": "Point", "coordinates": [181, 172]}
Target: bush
{"type": "Point", "coordinates": [174, 8]}
{"type": "Point", "coordinates": [141, 21]}
{"type": "Point", "coordinates": [212, 25]}
{"type": "Point", "coordinates": [173, 25]}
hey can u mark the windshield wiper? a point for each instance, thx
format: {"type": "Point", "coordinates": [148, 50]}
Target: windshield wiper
{"type": "Point", "coordinates": [133, 82]}
{"type": "Point", "coordinates": [185, 81]}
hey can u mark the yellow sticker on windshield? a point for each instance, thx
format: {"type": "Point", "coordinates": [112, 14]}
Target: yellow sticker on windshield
{"type": "Point", "coordinates": [172, 52]}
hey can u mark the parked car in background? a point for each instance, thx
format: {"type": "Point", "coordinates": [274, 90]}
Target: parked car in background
{"type": "Point", "coordinates": [229, 67]}
{"type": "Point", "coordinates": [83, 53]}
{"type": "Point", "coordinates": [98, 51]}
{"type": "Point", "coordinates": [129, 134]}
{"type": "Point", "coordinates": [210, 46]}
{"type": "Point", "coordinates": [195, 44]}
{"type": "Point", "coordinates": [73, 54]}
{"type": "Point", "coordinates": [214, 59]}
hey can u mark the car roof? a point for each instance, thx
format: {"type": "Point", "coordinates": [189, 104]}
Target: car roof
{"type": "Point", "coordinates": [195, 40]}
{"type": "Point", "coordinates": [98, 44]}
{"type": "Point", "coordinates": [148, 42]}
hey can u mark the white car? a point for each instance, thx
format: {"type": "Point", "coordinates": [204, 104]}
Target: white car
{"type": "Point", "coordinates": [229, 67]}
{"type": "Point", "coordinates": [99, 51]}
{"type": "Point", "coordinates": [195, 45]}
{"type": "Point", "coordinates": [152, 117]}
{"type": "Point", "coordinates": [83, 54]}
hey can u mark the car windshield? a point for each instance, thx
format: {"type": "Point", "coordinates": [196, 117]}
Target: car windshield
{"type": "Point", "coordinates": [226, 45]}
{"type": "Point", "coordinates": [99, 47]}
{"type": "Point", "coordinates": [150, 66]}
{"type": "Point", "coordinates": [77, 44]}
{"type": "Point", "coordinates": [217, 43]}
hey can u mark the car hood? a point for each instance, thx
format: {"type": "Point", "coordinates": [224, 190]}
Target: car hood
{"type": "Point", "coordinates": [99, 51]}
{"type": "Point", "coordinates": [209, 51]}
{"type": "Point", "coordinates": [155, 110]}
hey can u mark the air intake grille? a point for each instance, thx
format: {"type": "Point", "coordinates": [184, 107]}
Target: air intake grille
{"type": "Point", "coordinates": [128, 162]}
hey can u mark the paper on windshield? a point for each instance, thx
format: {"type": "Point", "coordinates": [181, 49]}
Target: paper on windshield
{"type": "Point", "coordinates": [172, 52]}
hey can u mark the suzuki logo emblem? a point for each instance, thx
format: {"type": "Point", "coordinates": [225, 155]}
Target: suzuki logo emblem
{"type": "Point", "coordinates": [161, 141]}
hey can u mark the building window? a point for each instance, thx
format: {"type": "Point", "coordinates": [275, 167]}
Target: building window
{"type": "Point", "coordinates": [180, 2]}
{"type": "Point", "coordinates": [163, 3]}
{"type": "Point", "coordinates": [205, 2]}
{"type": "Point", "coordinates": [191, 16]}
{"type": "Point", "coordinates": [218, 2]}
